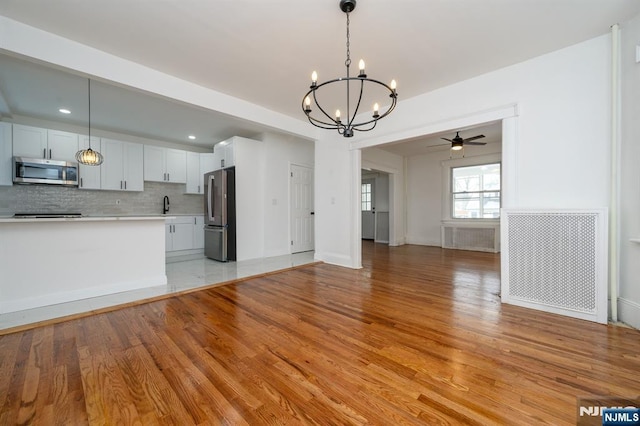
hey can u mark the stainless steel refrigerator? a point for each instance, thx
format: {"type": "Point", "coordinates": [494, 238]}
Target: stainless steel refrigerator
{"type": "Point", "coordinates": [220, 215]}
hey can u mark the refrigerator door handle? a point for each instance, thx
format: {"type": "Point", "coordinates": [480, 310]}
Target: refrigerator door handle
{"type": "Point", "coordinates": [210, 199]}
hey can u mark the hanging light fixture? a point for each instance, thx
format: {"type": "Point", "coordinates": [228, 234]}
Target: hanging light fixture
{"type": "Point", "coordinates": [89, 157]}
{"type": "Point", "coordinates": [346, 125]}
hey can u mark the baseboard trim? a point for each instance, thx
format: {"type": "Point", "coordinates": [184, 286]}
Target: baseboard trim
{"type": "Point", "coordinates": [629, 312]}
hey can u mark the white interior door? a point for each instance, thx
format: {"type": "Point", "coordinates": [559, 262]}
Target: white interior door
{"type": "Point", "coordinates": [367, 195]}
{"type": "Point", "coordinates": [301, 202]}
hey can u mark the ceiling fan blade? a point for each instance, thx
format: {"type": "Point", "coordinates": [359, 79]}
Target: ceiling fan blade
{"type": "Point", "coordinates": [447, 139]}
{"type": "Point", "coordinates": [475, 143]}
{"type": "Point", "coordinates": [473, 138]}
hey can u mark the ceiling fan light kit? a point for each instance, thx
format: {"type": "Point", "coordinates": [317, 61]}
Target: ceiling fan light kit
{"type": "Point", "coordinates": [347, 125]}
{"type": "Point", "coordinates": [458, 143]}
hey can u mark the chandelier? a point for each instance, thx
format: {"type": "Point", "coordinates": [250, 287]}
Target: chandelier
{"type": "Point", "coordinates": [347, 125]}
{"type": "Point", "coordinates": [89, 157]}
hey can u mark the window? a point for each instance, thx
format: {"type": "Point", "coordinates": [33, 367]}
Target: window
{"type": "Point", "coordinates": [476, 191]}
{"type": "Point", "coordinates": [366, 197]}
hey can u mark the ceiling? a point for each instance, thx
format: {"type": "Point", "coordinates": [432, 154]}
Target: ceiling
{"type": "Point", "coordinates": [263, 51]}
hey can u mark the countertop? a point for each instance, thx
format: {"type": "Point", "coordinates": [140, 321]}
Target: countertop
{"type": "Point", "coordinates": [11, 219]}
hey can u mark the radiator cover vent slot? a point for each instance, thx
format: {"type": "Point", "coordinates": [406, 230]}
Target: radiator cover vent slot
{"type": "Point", "coordinates": [557, 262]}
{"type": "Point", "coordinates": [471, 236]}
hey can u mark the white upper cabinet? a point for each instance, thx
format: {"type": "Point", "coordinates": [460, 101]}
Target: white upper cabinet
{"type": "Point", "coordinates": [29, 141]}
{"type": "Point", "coordinates": [6, 166]}
{"type": "Point", "coordinates": [122, 169]}
{"type": "Point", "coordinates": [165, 164]}
{"type": "Point", "coordinates": [197, 166]}
{"type": "Point", "coordinates": [89, 175]}
{"type": "Point", "coordinates": [35, 142]}
{"type": "Point", "coordinates": [223, 154]}
{"type": "Point", "coordinates": [194, 186]}
{"type": "Point", "coordinates": [62, 145]}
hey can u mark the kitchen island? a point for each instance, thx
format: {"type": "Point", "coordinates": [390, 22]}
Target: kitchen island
{"type": "Point", "coordinates": [55, 260]}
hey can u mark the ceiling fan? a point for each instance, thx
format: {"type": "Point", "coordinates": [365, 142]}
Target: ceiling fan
{"type": "Point", "coordinates": [457, 142]}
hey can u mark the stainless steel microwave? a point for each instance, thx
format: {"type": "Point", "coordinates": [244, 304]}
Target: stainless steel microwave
{"type": "Point", "coordinates": [38, 170]}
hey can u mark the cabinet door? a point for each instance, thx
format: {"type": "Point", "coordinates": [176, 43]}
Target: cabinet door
{"type": "Point", "coordinates": [113, 165]}
{"type": "Point", "coordinates": [183, 234]}
{"type": "Point", "coordinates": [218, 156]}
{"type": "Point", "coordinates": [133, 172]}
{"type": "Point", "coordinates": [29, 141]}
{"type": "Point", "coordinates": [198, 232]}
{"type": "Point", "coordinates": [176, 165]}
{"type": "Point", "coordinates": [154, 163]}
{"type": "Point", "coordinates": [62, 145]}
{"type": "Point", "coordinates": [89, 175]}
{"type": "Point", "coordinates": [6, 166]}
{"type": "Point", "coordinates": [193, 174]}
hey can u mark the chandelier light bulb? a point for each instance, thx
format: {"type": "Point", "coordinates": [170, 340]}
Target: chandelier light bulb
{"type": "Point", "coordinates": [307, 104]}
{"type": "Point", "coordinates": [393, 85]}
{"type": "Point", "coordinates": [314, 78]}
{"type": "Point", "coordinates": [361, 65]}
{"type": "Point", "coordinates": [337, 115]}
{"type": "Point", "coordinates": [376, 110]}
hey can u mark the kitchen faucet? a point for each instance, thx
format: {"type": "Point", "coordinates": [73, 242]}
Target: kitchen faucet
{"type": "Point", "coordinates": [165, 205]}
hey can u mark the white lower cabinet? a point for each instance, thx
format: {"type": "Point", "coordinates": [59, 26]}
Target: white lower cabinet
{"type": "Point", "coordinates": [184, 233]}
{"type": "Point", "coordinates": [179, 233]}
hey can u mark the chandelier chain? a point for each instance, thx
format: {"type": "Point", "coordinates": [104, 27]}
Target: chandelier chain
{"type": "Point", "coordinates": [348, 61]}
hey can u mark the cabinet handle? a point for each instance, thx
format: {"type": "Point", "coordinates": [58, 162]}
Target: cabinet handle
{"type": "Point", "coordinates": [168, 177]}
{"type": "Point", "coordinates": [125, 184]}
{"type": "Point", "coordinates": [49, 154]}
{"type": "Point", "coordinates": [81, 184]}
{"type": "Point", "coordinates": [164, 177]}
{"type": "Point", "coordinates": [120, 184]}
{"type": "Point", "coordinates": [198, 189]}
{"type": "Point", "coordinates": [44, 153]}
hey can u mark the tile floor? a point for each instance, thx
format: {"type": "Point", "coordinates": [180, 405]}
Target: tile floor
{"type": "Point", "coordinates": [180, 276]}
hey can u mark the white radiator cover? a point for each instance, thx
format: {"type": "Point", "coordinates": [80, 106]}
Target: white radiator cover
{"type": "Point", "coordinates": [471, 236]}
{"type": "Point", "coordinates": [556, 261]}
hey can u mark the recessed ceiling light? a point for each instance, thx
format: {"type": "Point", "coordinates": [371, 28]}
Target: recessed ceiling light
{"type": "Point", "coordinates": [192, 137]}
{"type": "Point", "coordinates": [64, 111]}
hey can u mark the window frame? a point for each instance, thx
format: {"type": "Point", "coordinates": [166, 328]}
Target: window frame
{"type": "Point", "coordinates": [447, 184]}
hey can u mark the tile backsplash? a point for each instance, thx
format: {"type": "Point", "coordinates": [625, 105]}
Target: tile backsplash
{"type": "Point", "coordinates": [54, 199]}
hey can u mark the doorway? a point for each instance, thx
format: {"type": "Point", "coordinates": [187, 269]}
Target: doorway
{"type": "Point", "coordinates": [374, 203]}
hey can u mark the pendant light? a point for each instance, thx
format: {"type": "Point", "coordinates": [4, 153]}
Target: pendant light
{"type": "Point", "coordinates": [89, 157]}
{"type": "Point", "coordinates": [346, 125]}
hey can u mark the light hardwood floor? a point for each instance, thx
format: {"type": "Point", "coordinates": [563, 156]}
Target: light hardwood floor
{"type": "Point", "coordinates": [418, 336]}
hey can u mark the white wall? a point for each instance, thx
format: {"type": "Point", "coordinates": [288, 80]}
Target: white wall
{"type": "Point", "coordinates": [629, 290]}
{"type": "Point", "coordinates": [337, 222]}
{"type": "Point", "coordinates": [280, 152]}
{"type": "Point", "coordinates": [558, 157]}
{"type": "Point", "coordinates": [249, 162]}
{"type": "Point", "coordinates": [425, 186]}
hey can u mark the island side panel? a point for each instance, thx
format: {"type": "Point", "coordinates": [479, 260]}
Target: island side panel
{"type": "Point", "coordinates": [48, 262]}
